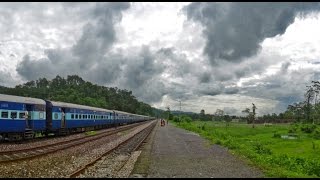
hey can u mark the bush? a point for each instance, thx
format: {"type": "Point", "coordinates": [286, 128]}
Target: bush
{"type": "Point", "coordinates": [187, 119]}
{"type": "Point", "coordinates": [276, 135]}
{"type": "Point", "coordinates": [176, 119]}
{"type": "Point", "coordinates": [203, 127]}
{"type": "Point", "coordinates": [218, 141]}
{"type": "Point", "coordinates": [308, 128]}
{"type": "Point", "coordinates": [316, 133]}
{"type": "Point", "coordinates": [260, 149]}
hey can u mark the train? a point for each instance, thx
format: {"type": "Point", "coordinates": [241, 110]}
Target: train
{"type": "Point", "coordinates": [25, 117]}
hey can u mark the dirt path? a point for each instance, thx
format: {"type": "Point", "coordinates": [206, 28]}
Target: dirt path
{"type": "Point", "coordinates": [174, 152]}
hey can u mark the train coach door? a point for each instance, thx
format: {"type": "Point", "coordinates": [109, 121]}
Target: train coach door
{"type": "Point", "coordinates": [28, 116]}
{"type": "Point", "coordinates": [48, 116]}
{"type": "Point", "coordinates": [63, 117]}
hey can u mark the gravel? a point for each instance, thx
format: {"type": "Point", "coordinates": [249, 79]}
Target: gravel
{"type": "Point", "coordinates": [119, 162]}
{"type": "Point", "coordinates": [41, 142]}
{"type": "Point", "coordinates": [63, 163]}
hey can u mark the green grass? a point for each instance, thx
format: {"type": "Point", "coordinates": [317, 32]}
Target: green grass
{"type": "Point", "coordinates": [90, 133]}
{"type": "Point", "coordinates": [263, 146]}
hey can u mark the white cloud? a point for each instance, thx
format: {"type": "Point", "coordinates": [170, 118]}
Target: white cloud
{"type": "Point", "coordinates": [180, 71]}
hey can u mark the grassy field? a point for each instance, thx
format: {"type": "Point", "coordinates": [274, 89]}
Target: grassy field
{"type": "Point", "coordinates": [266, 146]}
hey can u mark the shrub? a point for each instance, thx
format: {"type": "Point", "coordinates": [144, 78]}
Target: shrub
{"type": "Point", "coordinates": [218, 141]}
{"type": "Point", "coordinates": [176, 119]}
{"type": "Point", "coordinates": [260, 149]}
{"type": "Point", "coordinates": [316, 133]}
{"type": "Point", "coordinates": [308, 128]}
{"type": "Point", "coordinates": [276, 135]}
{"type": "Point", "coordinates": [203, 127]}
{"type": "Point", "coordinates": [187, 119]}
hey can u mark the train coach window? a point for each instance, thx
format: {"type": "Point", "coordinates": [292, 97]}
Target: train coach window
{"type": "Point", "coordinates": [76, 116]}
{"type": "Point", "coordinates": [72, 116]}
{"type": "Point", "coordinates": [41, 115]}
{"type": "Point", "coordinates": [4, 114]}
{"type": "Point", "coordinates": [21, 115]}
{"type": "Point", "coordinates": [14, 115]}
{"type": "Point", "coordinates": [55, 115]}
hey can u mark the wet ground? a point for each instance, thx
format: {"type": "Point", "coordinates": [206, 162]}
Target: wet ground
{"type": "Point", "coordinates": [174, 152]}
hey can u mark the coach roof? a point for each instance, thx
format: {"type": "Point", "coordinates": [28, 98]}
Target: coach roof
{"type": "Point", "coordinates": [78, 106]}
{"type": "Point", "coordinates": [19, 99]}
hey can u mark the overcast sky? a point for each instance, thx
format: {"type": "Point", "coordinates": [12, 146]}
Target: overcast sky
{"type": "Point", "coordinates": [207, 55]}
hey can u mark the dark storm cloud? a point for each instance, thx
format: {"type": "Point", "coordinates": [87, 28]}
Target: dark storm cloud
{"type": "Point", "coordinates": [31, 69]}
{"type": "Point", "coordinates": [211, 89]}
{"type": "Point", "coordinates": [140, 69]}
{"type": "Point", "coordinates": [177, 62]}
{"type": "Point", "coordinates": [87, 54]}
{"type": "Point", "coordinates": [205, 77]}
{"type": "Point", "coordinates": [98, 37]}
{"type": "Point", "coordinates": [231, 90]}
{"type": "Point", "coordinates": [235, 30]}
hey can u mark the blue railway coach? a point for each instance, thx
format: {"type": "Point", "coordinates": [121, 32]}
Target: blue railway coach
{"type": "Point", "coordinates": [20, 116]}
{"type": "Point", "coordinates": [67, 117]}
{"type": "Point", "coordinates": [23, 117]}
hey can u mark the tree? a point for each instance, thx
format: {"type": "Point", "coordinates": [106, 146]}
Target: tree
{"type": "Point", "coordinates": [75, 90]}
{"type": "Point", "coordinates": [253, 114]}
{"type": "Point", "coordinates": [228, 119]}
{"type": "Point", "coordinates": [202, 114]}
{"type": "Point", "coordinates": [316, 88]}
{"type": "Point", "coordinates": [219, 114]}
{"type": "Point", "coordinates": [309, 95]}
{"type": "Point", "coordinates": [249, 115]}
{"type": "Point", "coordinates": [297, 109]}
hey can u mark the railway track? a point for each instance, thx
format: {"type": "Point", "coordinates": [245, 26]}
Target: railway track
{"type": "Point", "coordinates": [33, 152]}
{"type": "Point", "coordinates": [116, 157]}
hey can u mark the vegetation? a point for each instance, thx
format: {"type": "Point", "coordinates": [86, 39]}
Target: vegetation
{"type": "Point", "coordinates": [74, 89]}
{"type": "Point", "coordinates": [267, 147]}
{"type": "Point", "coordinates": [91, 133]}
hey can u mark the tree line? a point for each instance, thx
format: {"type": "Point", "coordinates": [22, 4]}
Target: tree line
{"type": "Point", "coordinates": [75, 90]}
{"type": "Point", "coordinates": [307, 111]}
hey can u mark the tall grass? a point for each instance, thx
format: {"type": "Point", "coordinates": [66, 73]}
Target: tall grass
{"type": "Point", "coordinates": [263, 146]}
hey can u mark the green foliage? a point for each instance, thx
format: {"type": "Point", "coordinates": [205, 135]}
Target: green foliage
{"type": "Point", "coordinates": [186, 119]}
{"type": "Point", "coordinates": [74, 89]}
{"type": "Point", "coordinates": [176, 119]}
{"type": "Point", "coordinates": [308, 128]}
{"type": "Point", "coordinates": [276, 135]}
{"type": "Point", "coordinates": [261, 149]}
{"type": "Point", "coordinates": [276, 156]}
{"type": "Point", "coordinates": [91, 133]}
{"type": "Point", "coordinates": [316, 133]}
{"type": "Point", "coordinates": [203, 127]}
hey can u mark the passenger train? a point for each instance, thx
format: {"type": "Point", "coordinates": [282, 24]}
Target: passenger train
{"type": "Point", "coordinates": [23, 117]}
